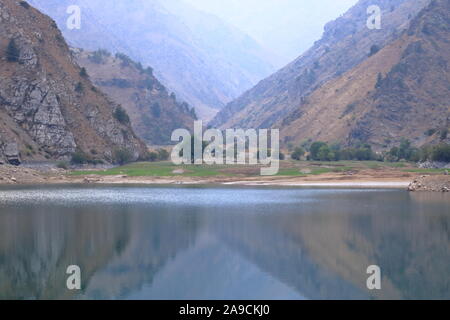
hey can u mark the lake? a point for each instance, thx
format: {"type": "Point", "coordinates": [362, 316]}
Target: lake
{"type": "Point", "coordinates": [134, 242]}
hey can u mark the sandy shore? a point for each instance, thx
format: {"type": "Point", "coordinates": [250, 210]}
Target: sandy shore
{"type": "Point", "coordinates": [10, 175]}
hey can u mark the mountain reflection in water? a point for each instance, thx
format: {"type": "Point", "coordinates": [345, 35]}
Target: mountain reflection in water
{"type": "Point", "coordinates": [222, 243]}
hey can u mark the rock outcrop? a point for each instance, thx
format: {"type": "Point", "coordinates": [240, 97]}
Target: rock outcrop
{"type": "Point", "coordinates": [439, 183]}
{"type": "Point", "coordinates": [48, 108]}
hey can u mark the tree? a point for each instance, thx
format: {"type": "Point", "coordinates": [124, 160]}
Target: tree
{"type": "Point", "coordinates": [163, 154]}
{"type": "Point", "coordinates": [79, 87]}
{"type": "Point", "coordinates": [121, 115]}
{"type": "Point", "coordinates": [122, 156]}
{"type": "Point", "coordinates": [314, 150]}
{"type": "Point", "coordinates": [152, 156]}
{"type": "Point", "coordinates": [379, 80]}
{"type": "Point", "coordinates": [325, 154]}
{"type": "Point", "coordinates": [298, 154]}
{"type": "Point", "coordinates": [156, 110]}
{"type": "Point", "coordinates": [83, 72]}
{"type": "Point", "coordinates": [12, 51]}
{"type": "Point", "coordinates": [441, 153]}
{"type": "Point", "coordinates": [373, 50]}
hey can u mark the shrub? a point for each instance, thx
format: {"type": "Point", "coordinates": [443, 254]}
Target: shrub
{"type": "Point", "coordinates": [79, 157]}
{"type": "Point", "coordinates": [156, 110]}
{"type": "Point", "coordinates": [121, 115]}
{"type": "Point", "coordinates": [152, 156]}
{"type": "Point", "coordinates": [122, 156]}
{"type": "Point", "coordinates": [62, 165]}
{"type": "Point", "coordinates": [24, 4]}
{"type": "Point", "coordinates": [163, 154]}
{"type": "Point", "coordinates": [374, 50]}
{"type": "Point", "coordinates": [12, 51]}
{"type": "Point", "coordinates": [379, 81]}
{"type": "Point", "coordinates": [79, 87]}
{"type": "Point", "coordinates": [444, 134]}
{"type": "Point", "coordinates": [83, 72]}
{"type": "Point", "coordinates": [298, 154]}
{"type": "Point", "coordinates": [193, 114]}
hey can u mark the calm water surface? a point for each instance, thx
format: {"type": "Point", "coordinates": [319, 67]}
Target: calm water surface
{"type": "Point", "coordinates": [222, 243]}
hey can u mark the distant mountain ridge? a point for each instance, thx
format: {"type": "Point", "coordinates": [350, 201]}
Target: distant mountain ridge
{"type": "Point", "coordinates": [204, 61]}
{"type": "Point", "coordinates": [48, 108]}
{"type": "Point", "coordinates": [346, 43]}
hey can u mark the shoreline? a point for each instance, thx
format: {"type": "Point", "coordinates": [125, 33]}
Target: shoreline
{"type": "Point", "coordinates": [364, 179]}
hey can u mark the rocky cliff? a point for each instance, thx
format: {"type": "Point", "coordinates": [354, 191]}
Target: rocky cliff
{"type": "Point", "coordinates": [48, 108]}
{"type": "Point", "coordinates": [154, 111]}
{"type": "Point", "coordinates": [346, 43]}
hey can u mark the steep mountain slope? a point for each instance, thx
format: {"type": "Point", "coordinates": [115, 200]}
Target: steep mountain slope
{"type": "Point", "coordinates": [346, 43]}
{"type": "Point", "coordinates": [402, 91]}
{"type": "Point", "coordinates": [204, 61]}
{"type": "Point", "coordinates": [48, 110]}
{"type": "Point", "coordinates": [288, 27]}
{"type": "Point", "coordinates": [154, 113]}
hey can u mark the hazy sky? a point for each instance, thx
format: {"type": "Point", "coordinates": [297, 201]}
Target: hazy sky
{"type": "Point", "coordinates": [286, 27]}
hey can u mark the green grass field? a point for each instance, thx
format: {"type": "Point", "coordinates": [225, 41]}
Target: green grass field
{"type": "Point", "coordinates": [157, 169]}
{"type": "Point", "coordinates": [287, 168]}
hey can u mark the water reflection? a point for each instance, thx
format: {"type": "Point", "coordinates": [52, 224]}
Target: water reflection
{"type": "Point", "coordinates": [193, 243]}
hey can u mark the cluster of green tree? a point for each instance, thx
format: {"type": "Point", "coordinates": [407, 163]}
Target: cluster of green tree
{"type": "Point", "coordinates": [321, 151]}
{"type": "Point", "coordinates": [405, 151]}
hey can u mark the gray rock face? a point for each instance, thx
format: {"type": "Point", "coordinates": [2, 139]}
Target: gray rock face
{"type": "Point", "coordinates": [11, 151]}
{"type": "Point", "coordinates": [50, 109]}
{"type": "Point", "coordinates": [35, 107]}
{"type": "Point", "coordinates": [434, 165]}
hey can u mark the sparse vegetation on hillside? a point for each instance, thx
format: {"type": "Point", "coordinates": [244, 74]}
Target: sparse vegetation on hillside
{"type": "Point", "coordinates": [99, 55]}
